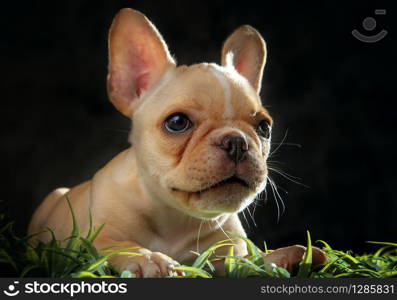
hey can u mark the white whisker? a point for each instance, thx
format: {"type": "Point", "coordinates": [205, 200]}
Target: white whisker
{"type": "Point", "coordinates": [252, 216]}
{"type": "Point", "coordinates": [220, 226]}
{"type": "Point", "coordinates": [246, 220]}
{"type": "Point", "coordinates": [280, 144]}
{"type": "Point", "coordinates": [277, 197]}
{"type": "Point", "coordinates": [288, 176]}
{"type": "Point", "coordinates": [275, 169]}
{"type": "Point", "coordinates": [289, 144]}
{"type": "Point", "coordinates": [273, 165]}
{"type": "Point", "coordinates": [255, 204]}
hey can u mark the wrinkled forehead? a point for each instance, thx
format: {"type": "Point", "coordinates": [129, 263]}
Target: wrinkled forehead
{"type": "Point", "coordinates": [210, 87]}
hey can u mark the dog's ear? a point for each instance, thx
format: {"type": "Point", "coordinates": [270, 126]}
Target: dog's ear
{"type": "Point", "coordinates": [138, 57]}
{"type": "Point", "coordinates": [245, 50]}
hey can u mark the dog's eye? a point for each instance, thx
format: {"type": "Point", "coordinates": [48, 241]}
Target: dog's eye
{"type": "Point", "coordinates": [264, 129]}
{"type": "Point", "coordinates": [177, 123]}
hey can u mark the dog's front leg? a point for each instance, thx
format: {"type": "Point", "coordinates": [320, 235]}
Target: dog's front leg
{"type": "Point", "coordinates": [286, 257]}
{"type": "Point", "coordinates": [141, 262]}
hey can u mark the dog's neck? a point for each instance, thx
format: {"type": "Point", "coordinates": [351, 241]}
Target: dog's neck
{"type": "Point", "coordinates": [120, 178]}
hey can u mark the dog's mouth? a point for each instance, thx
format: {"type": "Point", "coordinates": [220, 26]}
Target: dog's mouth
{"type": "Point", "coordinates": [228, 182]}
{"type": "Point", "coordinates": [233, 180]}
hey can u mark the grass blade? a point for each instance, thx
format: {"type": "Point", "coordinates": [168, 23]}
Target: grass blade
{"type": "Point", "coordinates": [229, 262]}
{"type": "Point", "coordinates": [306, 264]}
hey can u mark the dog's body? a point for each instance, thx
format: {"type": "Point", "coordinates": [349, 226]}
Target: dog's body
{"type": "Point", "coordinates": [114, 191]}
{"type": "Point", "coordinates": [200, 140]}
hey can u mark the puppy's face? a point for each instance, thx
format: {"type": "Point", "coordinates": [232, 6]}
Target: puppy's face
{"type": "Point", "coordinates": [200, 133]}
{"type": "Point", "coordinates": [202, 139]}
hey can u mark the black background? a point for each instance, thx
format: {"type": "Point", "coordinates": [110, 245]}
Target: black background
{"type": "Point", "coordinates": [333, 94]}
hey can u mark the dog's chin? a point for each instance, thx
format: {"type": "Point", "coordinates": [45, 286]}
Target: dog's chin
{"type": "Point", "coordinates": [227, 196]}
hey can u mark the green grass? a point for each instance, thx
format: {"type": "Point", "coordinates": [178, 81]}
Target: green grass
{"type": "Point", "coordinates": [76, 257]}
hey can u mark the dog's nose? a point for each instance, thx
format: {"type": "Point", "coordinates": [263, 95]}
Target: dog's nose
{"type": "Point", "coordinates": [235, 147]}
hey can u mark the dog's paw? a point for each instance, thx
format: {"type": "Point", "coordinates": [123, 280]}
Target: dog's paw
{"type": "Point", "coordinates": [150, 264]}
{"type": "Point", "coordinates": [289, 257]}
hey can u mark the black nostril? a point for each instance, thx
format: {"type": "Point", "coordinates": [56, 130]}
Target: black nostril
{"type": "Point", "coordinates": [235, 147]}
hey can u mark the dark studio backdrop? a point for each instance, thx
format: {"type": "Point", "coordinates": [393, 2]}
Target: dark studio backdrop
{"type": "Point", "coordinates": [333, 94]}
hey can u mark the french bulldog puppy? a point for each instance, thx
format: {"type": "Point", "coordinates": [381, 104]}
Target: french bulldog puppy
{"type": "Point", "coordinates": [200, 139]}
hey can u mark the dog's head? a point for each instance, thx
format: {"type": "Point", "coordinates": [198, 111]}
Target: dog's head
{"type": "Point", "coordinates": [200, 133]}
